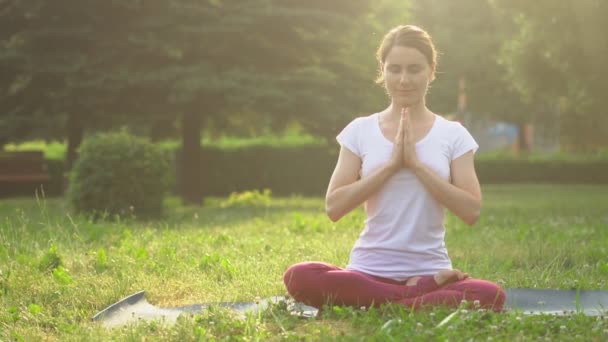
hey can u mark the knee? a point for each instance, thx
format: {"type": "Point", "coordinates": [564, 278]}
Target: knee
{"type": "Point", "coordinates": [290, 276]}
{"type": "Point", "coordinates": [296, 277]}
{"type": "Point", "coordinates": [501, 296]}
{"type": "Point", "coordinates": [490, 295]}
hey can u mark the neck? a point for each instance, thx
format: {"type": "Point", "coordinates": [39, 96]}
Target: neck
{"type": "Point", "coordinates": [417, 112]}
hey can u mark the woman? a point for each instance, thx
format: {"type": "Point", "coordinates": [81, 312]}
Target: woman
{"type": "Point", "coordinates": [407, 165]}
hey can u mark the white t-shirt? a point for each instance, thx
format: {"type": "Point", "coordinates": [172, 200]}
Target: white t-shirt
{"type": "Point", "coordinates": [404, 230]}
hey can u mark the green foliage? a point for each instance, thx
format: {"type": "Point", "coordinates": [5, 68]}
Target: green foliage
{"type": "Point", "coordinates": [50, 260]}
{"type": "Point", "coordinates": [119, 174]}
{"type": "Point", "coordinates": [62, 276]}
{"type": "Point", "coordinates": [101, 263]}
{"type": "Point", "coordinates": [507, 155]}
{"type": "Point", "coordinates": [53, 150]}
{"type": "Point", "coordinates": [248, 198]}
{"type": "Point", "coordinates": [516, 59]}
{"type": "Point", "coordinates": [56, 150]}
{"type": "Point", "coordinates": [304, 170]}
{"type": "Point", "coordinates": [158, 61]}
{"type": "Point", "coordinates": [468, 35]}
{"type": "Point", "coordinates": [542, 171]}
{"type": "Point", "coordinates": [561, 73]}
{"type": "Point", "coordinates": [34, 309]}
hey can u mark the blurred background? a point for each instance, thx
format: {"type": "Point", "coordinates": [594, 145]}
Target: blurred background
{"type": "Point", "coordinates": [237, 91]}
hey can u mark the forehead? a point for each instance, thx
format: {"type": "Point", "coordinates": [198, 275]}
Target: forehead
{"type": "Point", "coordinates": [404, 55]}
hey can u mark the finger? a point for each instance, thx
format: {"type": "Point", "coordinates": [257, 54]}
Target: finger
{"type": "Point", "coordinates": [402, 121]}
{"type": "Point", "coordinates": [400, 130]}
{"type": "Point", "coordinates": [407, 126]}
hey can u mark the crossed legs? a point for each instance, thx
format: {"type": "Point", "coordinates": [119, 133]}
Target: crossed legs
{"type": "Point", "coordinates": [317, 283]}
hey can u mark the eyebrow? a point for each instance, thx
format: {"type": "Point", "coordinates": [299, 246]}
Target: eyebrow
{"type": "Point", "coordinates": [407, 66]}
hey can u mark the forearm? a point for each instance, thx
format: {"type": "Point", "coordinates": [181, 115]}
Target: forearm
{"type": "Point", "coordinates": [462, 203]}
{"type": "Point", "coordinates": [344, 199]}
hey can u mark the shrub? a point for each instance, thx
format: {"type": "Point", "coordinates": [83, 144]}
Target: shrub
{"type": "Point", "coordinates": [248, 198]}
{"type": "Point", "coordinates": [119, 174]}
{"type": "Point", "coordinates": [50, 260]}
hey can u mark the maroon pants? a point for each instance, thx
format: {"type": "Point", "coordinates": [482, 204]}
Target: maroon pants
{"type": "Point", "coordinates": [318, 283]}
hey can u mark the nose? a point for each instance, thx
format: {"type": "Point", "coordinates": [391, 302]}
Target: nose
{"type": "Point", "coordinates": [404, 79]}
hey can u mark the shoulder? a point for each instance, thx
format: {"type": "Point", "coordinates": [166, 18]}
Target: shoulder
{"type": "Point", "coordinates": [447, 123]}
{"type": "Point", "coordinates": [457, 136]}
{"type": "Point", "coordinates": [352, 135]}
{"type": "Point", "coordinates": [361, 121]}
{"type": "Point", "coordinates": [451, 127]}
{"type": "Point", "coordinates": [364, 120]}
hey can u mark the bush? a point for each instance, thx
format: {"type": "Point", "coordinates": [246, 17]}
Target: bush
{"type": "Point", "coordinates": [119, 174]}
{"type": "Point", "coordinates": [306, 170]}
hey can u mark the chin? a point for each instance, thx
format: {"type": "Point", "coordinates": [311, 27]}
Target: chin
{"type": "Point", "coordinates": [405, 102]}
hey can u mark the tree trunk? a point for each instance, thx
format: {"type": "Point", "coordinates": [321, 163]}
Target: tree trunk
{"type": "Point", "coordinates": [523, 138]}
{"type": "Point", "coordinates": [75, 133]}
{"type": "Point", "coordinates": [190, 179]}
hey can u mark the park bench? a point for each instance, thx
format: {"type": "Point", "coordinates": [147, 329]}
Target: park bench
{"type": "Point", "coordinates": [22, 172]}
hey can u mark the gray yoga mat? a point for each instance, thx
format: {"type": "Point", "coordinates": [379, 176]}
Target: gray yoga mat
{"type": "Point", "coordinates": [529, 301]}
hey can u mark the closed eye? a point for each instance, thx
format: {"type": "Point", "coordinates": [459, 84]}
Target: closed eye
{"type": "Point", "coordinates": [415, 68]}
{"type": "Point", "coordinates": [394, 68]}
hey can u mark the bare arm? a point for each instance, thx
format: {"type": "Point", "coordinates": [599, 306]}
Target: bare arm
{"type": "Point", "coordinates": [463, 195]}
{"type": "Point", "coordinates": [346, 191]}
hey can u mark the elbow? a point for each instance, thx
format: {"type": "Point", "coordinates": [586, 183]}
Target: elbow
{"type": "Point", "coordinates": [472, 217]}
{"type": "Point", "coordinates": [332, 213]}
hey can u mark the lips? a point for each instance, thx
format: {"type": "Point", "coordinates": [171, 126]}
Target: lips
{"type": "Point", "coordinates": [405, 92]}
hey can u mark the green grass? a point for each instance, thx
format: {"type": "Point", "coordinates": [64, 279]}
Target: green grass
{"type": "Point", "coordinates": [57, 270]}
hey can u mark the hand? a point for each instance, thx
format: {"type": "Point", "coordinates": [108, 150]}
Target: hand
{"type": "Point", "coordinates": [396, 161]}
{"type": "Point", "coordinates": [410, 159]}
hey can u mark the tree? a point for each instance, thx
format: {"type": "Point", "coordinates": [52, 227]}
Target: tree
{"type": "Point", "coordinates": [469, 35]}
{"type": "Point", "coordinates": [100, 64]}
{"type": "Point", "coordinates": [555, 59]}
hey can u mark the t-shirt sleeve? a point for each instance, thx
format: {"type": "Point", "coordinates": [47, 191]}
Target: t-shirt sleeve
{"type": "Point", "coordinates": [349, 137]}
{"type": "Point", "coordinates": [463, 142]}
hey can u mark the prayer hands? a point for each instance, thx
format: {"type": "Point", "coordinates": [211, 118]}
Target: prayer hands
{"type": "Point", "coordinates": [396, 161]}
{"type": "Point", "coordinates": [404, 149]}
{"type": "Point", "coordinates": [410, 159]}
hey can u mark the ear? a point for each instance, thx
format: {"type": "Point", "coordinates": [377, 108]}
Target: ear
{"type": "Point", "coordinates": [381, 79]}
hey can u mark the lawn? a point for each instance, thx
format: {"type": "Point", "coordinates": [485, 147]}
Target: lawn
{"type": "Point", "coordinates": [58, 269]}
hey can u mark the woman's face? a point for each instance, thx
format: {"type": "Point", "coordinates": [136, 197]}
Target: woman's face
{"type": "Point", "coordinates": [407, 75]}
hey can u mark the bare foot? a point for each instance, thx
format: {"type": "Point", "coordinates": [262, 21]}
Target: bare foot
{"type": "Point", "coordinates": [412, 281]}
{"type": "Point", "coordinates": [444, 277]}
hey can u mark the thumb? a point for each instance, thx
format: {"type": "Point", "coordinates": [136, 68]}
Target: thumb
{"type": "Point", "coordinates": [403, 122]}
{"type": "Point", "coordinates": [400, 130]}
